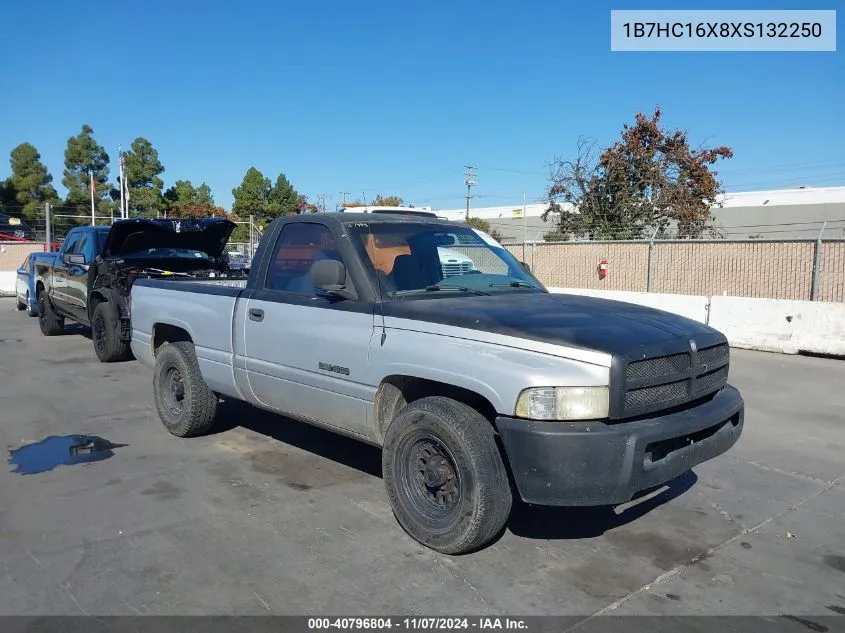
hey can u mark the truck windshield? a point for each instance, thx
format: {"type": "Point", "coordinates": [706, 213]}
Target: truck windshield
{"type": "Point", "coordinates": [413, 259]}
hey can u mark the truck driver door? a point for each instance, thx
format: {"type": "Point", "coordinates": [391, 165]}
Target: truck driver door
{"type": "Point", "coordinates": [306, 352]}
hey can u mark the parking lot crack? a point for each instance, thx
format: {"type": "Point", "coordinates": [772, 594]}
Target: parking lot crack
{"type": "Point", "coordinates": [681, 568]}
{"type": "Point", "coordinates": [462, 579]}
{"type": "Point", "coordinates": [780, 471]}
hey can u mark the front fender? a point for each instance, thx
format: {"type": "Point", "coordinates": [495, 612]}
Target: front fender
{"type": "Point", "coordinates": [497, 372]}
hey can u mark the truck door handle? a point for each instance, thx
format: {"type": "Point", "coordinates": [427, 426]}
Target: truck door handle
{"type": "Point", "coordinates": [256, 315]}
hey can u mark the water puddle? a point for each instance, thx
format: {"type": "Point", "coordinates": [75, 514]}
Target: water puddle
{"type": "Point", "coordinates": [66, 450]}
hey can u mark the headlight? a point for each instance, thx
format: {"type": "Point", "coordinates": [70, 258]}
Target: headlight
{"type": "Point", "coordinates": [563, 403]}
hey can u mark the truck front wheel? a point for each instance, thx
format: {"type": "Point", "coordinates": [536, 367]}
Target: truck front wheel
{"type": "Point", "coordinates": [185, 404]}
{"type": "Point", "coordinates": [50, 323]}
{"type": "Point", "coordinates": [105, 330]}
{"type": "Point", "coordinates": [444, 476]}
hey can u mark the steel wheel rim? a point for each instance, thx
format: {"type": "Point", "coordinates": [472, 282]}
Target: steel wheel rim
{"type": "Point", "coordinates": [174, 391]}
{"type": "Point", "coordinates": [432, 479]}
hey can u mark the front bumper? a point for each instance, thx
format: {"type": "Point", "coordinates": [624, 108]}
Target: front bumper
{"type": "Point", "coordinates": [595, 463]}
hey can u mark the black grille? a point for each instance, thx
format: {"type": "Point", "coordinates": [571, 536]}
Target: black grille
{"type": "Point", "coordinates": [711, 380]}
{"type": "Point", "coordinates": [671, 379]}
{"type": "Point", "coordinates": [656, 367]}
{"type": "Point", "coordinates": [648, 396]}
{"type": "Point", "coordinates": [711, 355]}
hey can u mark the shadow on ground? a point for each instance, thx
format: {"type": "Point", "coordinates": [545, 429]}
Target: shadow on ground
{"type": "Point", "coordinates": [547, 522]}
{"type": "Point", "coordinates": [528, 521]}
{"type": "Point", "coordinates": [76, 329]}
{"type": "Point", "coordinates": [323, 443]}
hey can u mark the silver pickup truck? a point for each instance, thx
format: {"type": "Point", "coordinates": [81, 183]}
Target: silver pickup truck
{"type": "Point", "coordinates": [478, 386]}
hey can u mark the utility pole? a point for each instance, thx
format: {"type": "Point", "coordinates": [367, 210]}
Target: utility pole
{"type": "Point", "coordinates": [48, 228]}
{"type": "Point", "coordinates": [524, 227]}
{"type": "Point", "coordinates": [344, 194]}
{"type": "Point", "coordinates": [93, 216]}
{"type": "Point", "coordinates": [469, 181]}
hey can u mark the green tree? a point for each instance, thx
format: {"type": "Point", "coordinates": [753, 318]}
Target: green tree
{"type": "Point", "coordinates": [282, 199]}
{"type": "Point", "coordinates": [484, 225]}
{"type": "Point", "coordinates": [30, 182]}
{"type": "Point", "coordinates": [183, 193]}
{"type": "Point", "coordinates": [387, 201]}
{"type": "Point", "coordinates": [252, 195]}
{"type": "Point", "coordinates": [84, 155]}
{"type": "Point", "coordinates": [7, 195]}
{"type": "Point", "coordinates": [197, 210]}
{"type": "Point", "coordinates": [647, 180]}
{"type": "Point", "coordinates": [142, 168]}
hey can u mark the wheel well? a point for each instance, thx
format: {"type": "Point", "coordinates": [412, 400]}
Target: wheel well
{"type": "Point", "coordinates": [397, 391]}
{"type": "Point", "coordinates": [164, 333]}
{"type": "Point", "coordinates": [93, 301]}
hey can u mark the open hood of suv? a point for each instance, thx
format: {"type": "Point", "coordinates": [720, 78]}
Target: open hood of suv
{"type": "Point", "coordinates": [207, 235]}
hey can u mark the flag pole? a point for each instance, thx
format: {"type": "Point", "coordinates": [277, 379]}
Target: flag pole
{"type": "Point", "coordinates": [123, 207]}
{"type": "Point", "coordinates": [120, 175]}
{"type": "Point", "coordinates": [91, 176]}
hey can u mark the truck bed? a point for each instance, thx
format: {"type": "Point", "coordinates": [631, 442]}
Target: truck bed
{"type": "Point", "coordinates": [204, 308]}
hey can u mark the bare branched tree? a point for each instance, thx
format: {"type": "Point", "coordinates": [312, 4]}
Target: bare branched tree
{"type": "Point", "coordinates": [644, 182]}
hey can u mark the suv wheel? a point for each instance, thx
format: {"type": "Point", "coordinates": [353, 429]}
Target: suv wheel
{"type": "Point", "coordinates": [50, 323]}
{"type": "Point", "coordinates": [105, 330]}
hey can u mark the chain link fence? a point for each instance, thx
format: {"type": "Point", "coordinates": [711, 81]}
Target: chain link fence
{"type": "Point", "coordinates": [777, 269]}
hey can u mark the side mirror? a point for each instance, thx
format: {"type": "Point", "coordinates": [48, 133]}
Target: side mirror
{"type": "Point", "coordinates": [525, 266]}
{"type": "Point", "coordinates": [329, 275]}
{"type": "Point", "coordinates": [22, 271]}
{"type": "Point", "coordinates": [75, 259]}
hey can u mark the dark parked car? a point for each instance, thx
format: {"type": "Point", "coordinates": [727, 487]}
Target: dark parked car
{"type": "Point", "coordinates": [15, 229]}
{"type": "Point", "coordinates": [89, 279]}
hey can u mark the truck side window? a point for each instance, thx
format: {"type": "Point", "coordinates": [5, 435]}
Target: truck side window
{"type": "Point", "coordinates": [71, 243]}
{"type": "Point", "coordinates": [299, 245]}
{"type": "Point", "coordinates": [79, 248]}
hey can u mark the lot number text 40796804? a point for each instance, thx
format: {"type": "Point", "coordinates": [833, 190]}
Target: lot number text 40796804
{"type": "Point", "coordinates": [417, 624]}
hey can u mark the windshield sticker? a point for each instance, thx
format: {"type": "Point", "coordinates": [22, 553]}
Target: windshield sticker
{"type": "Point", "coordinates": [487, 239]}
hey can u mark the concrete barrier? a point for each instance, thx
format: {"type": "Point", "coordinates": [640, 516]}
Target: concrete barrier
{"type": "Point", "coordinates": [691, 306]}
{"type": "Point", "coordinates": [773, 325]}
{"type": "Point", "coordinates": [7, 283]}
{"type": "Point", "coordinates": [770, 325]}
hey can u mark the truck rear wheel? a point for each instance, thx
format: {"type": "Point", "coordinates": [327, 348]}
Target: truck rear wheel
{"type": "Point", "coordinates": [444, 476]}
{"type": "Point", "coordinates": [185, 404]}
{"type": "Point", "coordinates": [50, 323]}
{"type": "Point", "coordinates": [105, 330]}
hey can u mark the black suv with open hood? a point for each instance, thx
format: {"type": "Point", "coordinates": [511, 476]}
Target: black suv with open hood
{"type": "Point", "coordinates": [89, 279]}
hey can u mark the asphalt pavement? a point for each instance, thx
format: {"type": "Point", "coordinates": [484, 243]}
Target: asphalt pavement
{"type": "Point", "coordinates": [271, 516]}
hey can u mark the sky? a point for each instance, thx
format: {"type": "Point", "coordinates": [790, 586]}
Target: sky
{"type": "Point", "coordinates": [396, 97]}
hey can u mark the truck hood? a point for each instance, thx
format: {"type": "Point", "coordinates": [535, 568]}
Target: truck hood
{"type": "Point", "coordinates": [207, 235]}
{"type": "Point", "coordinates": [589, 323]}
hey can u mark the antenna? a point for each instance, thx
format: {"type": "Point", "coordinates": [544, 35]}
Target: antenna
{"type": "Point", "coordinates": [470, 182]}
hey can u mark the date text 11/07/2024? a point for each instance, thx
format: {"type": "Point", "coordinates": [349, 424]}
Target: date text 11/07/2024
{"type": "Point", "coordinates": [417, 624]}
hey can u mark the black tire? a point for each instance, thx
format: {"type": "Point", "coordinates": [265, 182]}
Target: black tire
{"type": "Point", "coordinates": [51, 324]}
{"type": "Point", "coordinates": [105, 332]}
{"type": "Point", "coordinates": [185, 404]}
{"type": "Point", "coordinates": [20, 305]}
{"type": "Point", "coordinates": [444, 475]}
